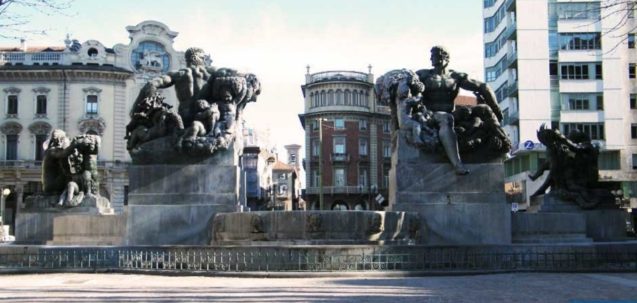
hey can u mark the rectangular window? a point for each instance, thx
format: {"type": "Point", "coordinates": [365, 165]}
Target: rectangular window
{"type": "Point", "coordinates": [580, 41]}
{"type": "Point", "coordinates": [386, 127]}
{"type": "Point", "coordinates": [631, 40]}
{"type": "Point", "coordinates": [633, 101]}
{"type": "Point", "coordinates": [594, 130]}
{"type": "Point", "coordinates": [362, 124]}
{"type": "Point", "coordinates": [585, 101]}
{"type": "Point", "coordinates": [339, 177]}
{"type": "Point", "coordinates": [608, 160]}
{"type": "Point", "coordinates": [578, 71]}
{"type": "Point", "coordinates": [91, 105]}
{"type": "Point", "coordinates": [12, 105]}
{"type": "Point", "coordinates": [578, 11]}
{"type": "Point", "coordinates": [362, 146]}
{"type": "Point", "coordinates": [633, 131]}
{"type": "Point", "coordinates": [339, 145]}
{"type": "Point", "coordinates": [600, 102]}
{"type": "Point", "coordinates": [12, 147]}
{"type": "Point", "coordinates": [315, 148]}
{"type": "Point", "coordinates": [598, 71]}
{"type": "Point", "coordinates": [339, 123]}
{"type": "Point", "coordinates": [39, 146]}
{"type": "Point", "coordinates": [631, 70]}
{"type": "Point", "coordinates": [634, 161]}
{"type": "Point", "coordinates": [314, 178]}
{"type": "Point", "coordinates": [362, 176]}
{"type": "Point", "coordinates": [40, 101]}
{"type": "Point", "coordinates": [386, 177]}
{"type": "Point", "coordinates": [386, 149]}
{"type": "Point", "coordinates": [314, 125]}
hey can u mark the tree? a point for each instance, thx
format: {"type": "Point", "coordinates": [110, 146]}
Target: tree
{"type": "Point", "coordinates": [15, 15]}
{"type": "Point", "coordinates": [623, 11]}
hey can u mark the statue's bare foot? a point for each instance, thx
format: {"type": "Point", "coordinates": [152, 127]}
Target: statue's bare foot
{"type": "Point", "coordinates": [461, 170]}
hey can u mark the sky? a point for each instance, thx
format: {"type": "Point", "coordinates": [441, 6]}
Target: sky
{"type": "Point", "coordinates": [277, 39]}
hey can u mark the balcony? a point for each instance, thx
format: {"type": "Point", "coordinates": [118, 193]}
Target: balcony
{"type": "Point", "coordinates": [512, 89]}
{"type": "Point", "coordinates": [38, 163]}
{"type": "Point", "coordinates": [338, 76]}
{"type": "Point", "coordinates": [20, 58]}
{"type": "Point", "coordinates": [339, 158]}
{"type": "Point", "coordinates": [331, 190]}
{"type": "Point", "coordinates": [510, 5]}
{"type": "Point", "coordinates": [512, 59]}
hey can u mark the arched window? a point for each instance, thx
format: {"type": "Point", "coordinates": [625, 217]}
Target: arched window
{"type": "Point", "coordinates": [348, 97]}
{"type": "Point", "coordinates": [362, 99]}
{"type": "Point", "coordinates": [355, 98]}
{"type": "Point", "coordinates": [312, 100]}
{"type": "Point", "coordinates": [359, 206]}
{"type": "Point", "coordinates": [323, 97]}
{"type": "Point", "coordinates": [339, 97]}
{"type": "Point", "coordinates": [317, 101]}
{"type": "Point", "coordinates": [340, 205]}
{"type": "Point", "coordinates": [330, 97]}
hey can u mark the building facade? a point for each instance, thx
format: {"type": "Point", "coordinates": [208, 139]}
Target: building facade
{"type": "Point", "coordinates": [347, 141]}
{"type": "Point", "coordinates": [552, 62]}
{"type": "Point", "coordinates": [80, 88]}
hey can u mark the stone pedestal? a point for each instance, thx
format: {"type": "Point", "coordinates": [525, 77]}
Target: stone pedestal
{"type": "Point", "coordinates": [562, 221]}
{"type": "Point", "coordinates": [175, 204]}
{"type": "Point", "coordinates": [469, 209]}
{"type": "Point", "coordinates": [315, 227]}
{"type": "Point", "coordinates": [35, 223]}
{"type": "Point", "coordinates": [88, 230]}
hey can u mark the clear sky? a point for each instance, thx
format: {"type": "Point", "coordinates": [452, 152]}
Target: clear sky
{"type": "Point", "coordinates": [276, 39]}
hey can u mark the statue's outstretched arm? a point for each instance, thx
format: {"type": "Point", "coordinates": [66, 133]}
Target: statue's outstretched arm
{"type": "Point", "coordinates": [482, 91]}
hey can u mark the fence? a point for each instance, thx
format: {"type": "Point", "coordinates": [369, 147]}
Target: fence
{"type": "Point", "coordinates": [323, 259]}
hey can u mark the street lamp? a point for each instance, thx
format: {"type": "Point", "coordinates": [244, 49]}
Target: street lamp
{"type": "Point", "coordinates": [5, 193]}
{"type": "Point", "coordinates": [320, 172]}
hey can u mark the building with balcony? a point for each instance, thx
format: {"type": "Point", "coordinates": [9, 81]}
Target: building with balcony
{"type": "Point", "coordinates": [80, 88]}
{"type": "Point", "coordinates": [551, 62]}
{"type": "Point", "coordinates": [347, 141]}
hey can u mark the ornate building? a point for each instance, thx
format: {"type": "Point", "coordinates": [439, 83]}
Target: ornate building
{"type": "Point", "coordinates": [347, 141]}
{"type": "Point", "coordinates": [80, 88]}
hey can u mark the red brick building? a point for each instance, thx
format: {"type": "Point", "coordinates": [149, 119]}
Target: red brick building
{"type": "Point", "coordinates": [347, 141]}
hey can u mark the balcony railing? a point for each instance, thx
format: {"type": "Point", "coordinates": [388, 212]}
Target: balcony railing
{"type": "Point", "coordinates": [337, 157]}
{"type": "Point", "coordinates": [36, 163]}
{"type": "Point", "coordinates": [338, 76]}
{"type": "Point", "coordinates": [31, 58]}
{"type": "Point", "coordinates": [330, 190]}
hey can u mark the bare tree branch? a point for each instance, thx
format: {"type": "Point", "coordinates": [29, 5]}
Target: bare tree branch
{"type": "Point", "coordinates": [14, 25]}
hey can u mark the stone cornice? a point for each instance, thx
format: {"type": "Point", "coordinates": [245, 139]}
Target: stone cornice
{"type": "Point", "coordinates": [40, 128]}
{"type": "Point", "coordinates": [61, 74]}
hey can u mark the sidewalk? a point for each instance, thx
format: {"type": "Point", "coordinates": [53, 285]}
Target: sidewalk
{"type": "Point", "coordinates": [518, 287]}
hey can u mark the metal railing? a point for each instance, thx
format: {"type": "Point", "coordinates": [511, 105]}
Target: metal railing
{"type": "Point", "coordinates": [31, 58]}
{"type": "Point", "coordinates": [38, 163]}
{"type": "Point", "coordinates": [320, 259]}
{"type": "Point", "coordinates": [329, 190]}
{"type": "Point", "coordinates": [339, 76]}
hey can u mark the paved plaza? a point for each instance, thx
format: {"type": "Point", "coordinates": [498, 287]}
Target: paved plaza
{"type": "Point", "coordinates": [518, 287]}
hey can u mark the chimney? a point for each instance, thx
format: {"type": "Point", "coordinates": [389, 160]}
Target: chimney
{"type": "Point", "coordinates": [23, 44]}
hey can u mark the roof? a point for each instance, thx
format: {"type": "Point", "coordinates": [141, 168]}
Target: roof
{"type": "Point", "coordinates": [33, 49]}
{"type": "Point", "coordinates": [465, 100]}
{"type": "Point", "coordinates": [278, 165]}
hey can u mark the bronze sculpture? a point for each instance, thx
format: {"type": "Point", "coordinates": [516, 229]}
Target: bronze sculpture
{"type": "Point", "coordinates": [573, 173]}
{"type": "Point", "coordinates": [211, 100]}
{"type": "Point", "coordinates": [422, 104]}
{"type": "Point", "coordinates": [69, 168]}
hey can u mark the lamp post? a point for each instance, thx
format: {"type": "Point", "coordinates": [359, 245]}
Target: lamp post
{"type": "Point", "coordinates": [320, 172]}
{"type": "Point", "coordinates": [5, 192]}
